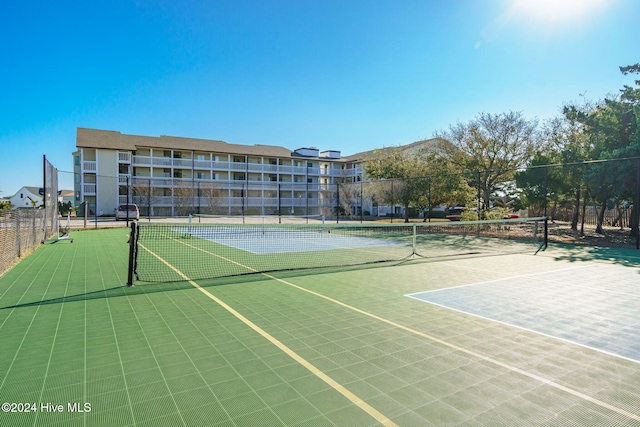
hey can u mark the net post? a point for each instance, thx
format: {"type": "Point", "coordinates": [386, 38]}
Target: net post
{"type": "Point", "coordinates": [413, 249]}
{"type": "Point", "coordinates": [132, 252]}
{"type": "Point", "coordinates": [546, 232]}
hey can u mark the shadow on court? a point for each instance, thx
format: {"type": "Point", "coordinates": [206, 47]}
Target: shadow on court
{"type": "Point", "coordinates": [142, 288]}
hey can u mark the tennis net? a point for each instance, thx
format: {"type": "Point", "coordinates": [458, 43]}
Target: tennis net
{"type": "Point", "coordinates": [161, 252]}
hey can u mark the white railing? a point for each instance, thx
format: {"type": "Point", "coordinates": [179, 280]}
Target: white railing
{"type": "Point", "coordinates": [124, 157]}
{"type": "Point", "coordinates": [183, 163]}
{"type": "Point", "coordinates": [89, 165]}
{"type": "Point", "coordinates": [168, 162]}
{"type": "Point", "coordinates": [89, 189]}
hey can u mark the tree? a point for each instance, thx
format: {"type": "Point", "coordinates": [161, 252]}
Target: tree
{"type": "Point", "coordinates": [563, 142]}
{"type": "Point", "coordinates": [496, 144]}
{"type": "Point", "coordinates": [444, 186]}
{"type": "Point", "coordinates": [613, 131]}
{"type": "Point", "coordinates": [408, 170]}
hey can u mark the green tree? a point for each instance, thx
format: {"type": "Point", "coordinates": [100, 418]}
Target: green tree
{"type": "Point", "coordinates": [613, 133]}
{"type": "Point", "coordinates": [496, 144]}
{"type": "Point", "coordinates": [408, 170]}
{"type": "Point", "coordinates": [564, 141]}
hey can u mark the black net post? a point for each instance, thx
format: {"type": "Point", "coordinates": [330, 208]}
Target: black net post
{"type": "Point", "coordinates": [132, 254]}
{"type": "Point", "coordinates": [546, 194]}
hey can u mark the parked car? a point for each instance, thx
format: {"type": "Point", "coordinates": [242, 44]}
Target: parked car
{"type": "Point", "coordinates": [455, 213]}
{"type": "Point", "coordinates": [130, 211]}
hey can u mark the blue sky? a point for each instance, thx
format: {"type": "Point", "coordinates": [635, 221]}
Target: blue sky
{"type": "Point", "coordinates": [348, 75]}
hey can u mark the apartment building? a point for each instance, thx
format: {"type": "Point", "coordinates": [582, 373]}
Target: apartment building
{"type": "Point", "coordinates": [171, 176]}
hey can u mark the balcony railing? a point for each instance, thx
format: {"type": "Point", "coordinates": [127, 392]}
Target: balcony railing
{"type": "Point", "coordinates": [89, 165]}
{"type": "Point", "coordinates": [89, 189]}
{"type": "Point", "coordinates": [124, 157]}
{"type": "Point", "coordinates": [213, 165]}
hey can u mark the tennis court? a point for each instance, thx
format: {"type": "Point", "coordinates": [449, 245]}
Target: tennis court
{"type": "Point", "coordinates": [451, 337]}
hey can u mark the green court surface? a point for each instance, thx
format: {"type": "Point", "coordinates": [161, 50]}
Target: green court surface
{"type": "Point", "coordinates": [352, 346]}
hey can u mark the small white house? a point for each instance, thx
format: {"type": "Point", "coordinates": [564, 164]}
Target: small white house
{"type": "Point", "coordinates": [27, 197]}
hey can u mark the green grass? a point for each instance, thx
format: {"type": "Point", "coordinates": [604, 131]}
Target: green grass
{"type": "Point", "coordinates": [167, 354]}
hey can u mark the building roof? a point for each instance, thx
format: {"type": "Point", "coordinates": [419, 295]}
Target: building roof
{"type": "Point", "coordinates": [114, 140]}
{"type": "Point", "coordinates": [36, 191]}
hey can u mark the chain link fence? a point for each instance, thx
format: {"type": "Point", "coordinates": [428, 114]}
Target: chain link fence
{"type": "Point", "coordinates": [589, 202]}
{"type": "Point", "coordinates": [23, 230]}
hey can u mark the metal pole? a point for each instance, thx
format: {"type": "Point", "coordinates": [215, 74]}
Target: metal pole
{"type": "Point", "coordinates": [132, 245]}
{"type": "Point", "coordinates": [44, 197]}
{"type": "Point", "coordinates": [127, 206]}
{"type": "Point", "coordinates": [479, 197]}
{"type": "Point", "coordinates": [429, 196]}
{"type": "Point", "coordinates": [546, 191]}
{"type": "Point", "coordinates": [393, 201]}
{"type": "Point", "coordinates": [337, 202]}
{"type": "Point", "coordinates": [637, 204]}
{"type": "Point", "coordinates": [361, 202]}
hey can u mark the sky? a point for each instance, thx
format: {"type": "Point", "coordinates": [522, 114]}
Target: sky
{"type": "Point", "coordinates": [347, 75]}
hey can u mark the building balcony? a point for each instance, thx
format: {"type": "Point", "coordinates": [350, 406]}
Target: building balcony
{"type": "Point", "coordinates": [89, 189]}
{"type": "Point", "coordinates": [214, 165]}
{"type": "Point", "coordinates": [124, 157]}
{"type": "Point", "coordinates": [89, 166]}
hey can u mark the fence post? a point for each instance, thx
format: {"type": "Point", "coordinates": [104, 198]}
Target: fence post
{"type": "Point", "coordinates": [44, 196]}
{"type": "Point", "coordinates": [637, 204]}
{"type": "Point", "coordinates": [393, 201]}
{"type": "Point", "coordinates": [17, 216]}
{"type": "Point", "coordinates": [361, 202]}
{"type": "Point", "coordinates": [337, 202]}
{"type": "Point", "coordinates": [127, 181]}
{"type": "Point", "coordinates": [479, 197]}
{"type": "Point", "coordinates": [429, 197]}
